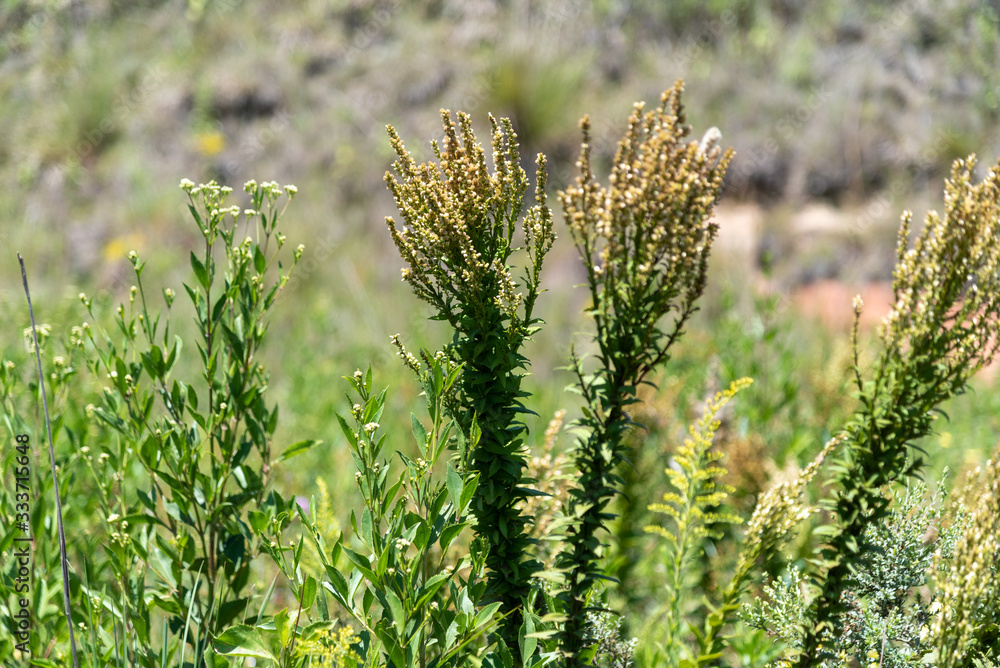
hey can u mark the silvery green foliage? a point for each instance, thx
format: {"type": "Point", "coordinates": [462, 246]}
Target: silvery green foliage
{"type": "Point", "coordinates": [888, 607]}
{"type": "Point", "coordinates": [604, 632]}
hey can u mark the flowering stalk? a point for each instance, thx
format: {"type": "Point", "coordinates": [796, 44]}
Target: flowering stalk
{"type": "Point", "coordinates": [943, 327]}
{"type": "Point", "coordinates": [457, 241]}
{"type": "Point", "coordinates": [970, 590]}
{"type": "Point", "coordinates": [195, 439]}
{"type": "Point", "coordinates": [691, 507]}
{"type": "Point", "coordinates": [644, 241]}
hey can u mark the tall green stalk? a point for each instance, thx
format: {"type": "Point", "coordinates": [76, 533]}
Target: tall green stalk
{"type": "Point", "coordinates": [458, 238]}
{"type": "Point", "coordinates": [644, 241]}
{"type": "Point", "coordinates": [944, 326]}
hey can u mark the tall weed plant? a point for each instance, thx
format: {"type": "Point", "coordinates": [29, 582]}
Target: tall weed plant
{"type": "Point", "coordinates": [187, 554]}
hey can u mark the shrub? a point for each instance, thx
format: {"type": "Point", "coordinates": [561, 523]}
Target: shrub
{"type": "Point", "coordinates": [889, 610]}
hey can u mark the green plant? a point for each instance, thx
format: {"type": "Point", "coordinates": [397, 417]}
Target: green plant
{"type": "Point", "coordinates": [179, 538]}
{"type": "Point", "coordinates": [440, 567]}
{"type": "Point", "coordinates": [693, 507]}
{"type": "Point", "coordinates": [457, 241]}
{"type": "Point", "coordinates": [968, 625]}
{"type": "Point", "coordinates": [889, 610]}
{"type": "Point", "coordinates": [942, 328]}
{"type": "Point", "coordinates": [27, 502]}
{"type": "Point", "coordinates": [683, 634]}
{"type": "Point", "coordinates": [644, 241]}
{"type": "Point", "coordinates": [417, 597]}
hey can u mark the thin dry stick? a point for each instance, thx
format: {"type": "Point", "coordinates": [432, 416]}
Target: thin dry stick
{"type": "Point", "coordinates": [52, 460]}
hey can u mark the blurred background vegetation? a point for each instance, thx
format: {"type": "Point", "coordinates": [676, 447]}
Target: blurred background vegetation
{"type": "Point", "coordinates": [842, 114]}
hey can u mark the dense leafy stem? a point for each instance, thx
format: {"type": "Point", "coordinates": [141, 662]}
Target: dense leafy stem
{"type": "Point", "coordinates": [943, 327]}
{"type": "Point", "coordinates": [457, 240]}
{"type": "Point", "coordinates": [644, 241]}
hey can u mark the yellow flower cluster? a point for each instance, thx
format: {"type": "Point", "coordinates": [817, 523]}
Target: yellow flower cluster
{"type": "Point", "coordinates": [330, 648]}
{"type": "Point", "coordinates": [779, 510]}
{"type": "Point", "coordinates": [649, 231]}
{"type": "Point", "coordinates": [695, 477]}
{"type": "Point", "coordinates": [460, 219]}
{"type": "Point", "coordinates": [969, 590]}
{"type": "Point", "coordinates": [947, 287]}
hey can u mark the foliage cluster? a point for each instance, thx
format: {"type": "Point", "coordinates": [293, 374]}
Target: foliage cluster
{"type": "Point", "coordinates": [196, 558]}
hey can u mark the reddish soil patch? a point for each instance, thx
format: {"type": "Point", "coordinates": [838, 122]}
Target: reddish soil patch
{"type": "Point", "coordinates": [830, 302]}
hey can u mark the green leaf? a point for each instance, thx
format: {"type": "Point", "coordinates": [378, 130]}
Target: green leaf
{"type": "Point", "coordinates": [454, 482]}
{"type": "Point", "coordinates": [259, 261]}
{"type": "Point", "coordinates": [367, 532]}
{"type": "Point", "coordinates": [525, 642]}
{"type": "Point", "coordinates": [430, 588]}
{"type": "Point", "coordinates": [298, 449]}
{"type": "Point", "coordinates": [243, 640]}
{"type": "Point", "coordinates": [484, 615]}
{"type": "Point", "coordinates": [361, 562]}
{"type": "Point", "coordinates": [419, 433]}
{"type": "Point", "coordinates": [396, 610]}
{"type": "Point", "coordinates": [283, 625]}
{"type": "Point", "coordinates": [229, 610]}
{"type": "Point", "coordinates": [308, 592]}
{"type": "Point", "coordinates": [200, 272]}
{"type": "Point", "coordinates": [468, 491]}
{"type": "Point", "coordinates": [338, 581]}
{"type": "Point", "coordinates": [449, 533]}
